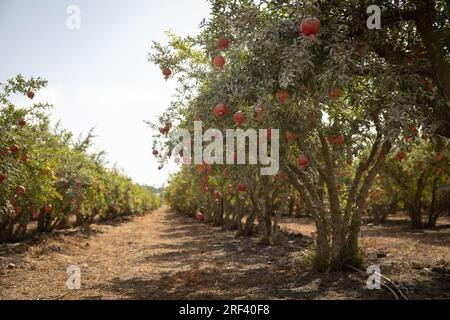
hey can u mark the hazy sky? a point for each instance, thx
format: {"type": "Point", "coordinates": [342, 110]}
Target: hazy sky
{"type": "Point", "coordinates": [99, 75]}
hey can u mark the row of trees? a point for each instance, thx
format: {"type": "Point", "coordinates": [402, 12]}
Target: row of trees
{"type": "Point", "coordinates": [50, 181]}
{"type": "Point", "coordinates": [349, 102]}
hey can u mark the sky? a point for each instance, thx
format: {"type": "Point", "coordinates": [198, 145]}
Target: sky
{"type": "Point", "coordinates": [99, 75]}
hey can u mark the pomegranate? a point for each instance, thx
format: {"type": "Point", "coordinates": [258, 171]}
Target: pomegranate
{"type": "Point", "coordinates": [241, 187]}
{"type": "Point", "coordinates": [303, 162]}
{"type": "Point", "coordinates": [331, 139]}
{"type": "Point", "coordinates": [18, 210]}
{"type": "Point", "coordinates": [223, 43]}
{"type": "Point", "coordinates": [155, 152]}
{"type": "Point", "coordinates": [14, 148]}
{"type": "Point", "coordinates": [48, 208]}
{"type": "Point", "coordinates": [226, 173]}
{"type": "Point", "coordinates": [282, 95]}
{"type": "Point", "coordinates": [219, 62]}
{"type": "Point", "coordinates": [400, 155]}
{"type": "Point", "coordinates": [438, 156]}
{"type": "Point", "coordinates": [221, 110]}
{"type": "Point", "coordinates": [24, 157]}
{"type": "Point", "coordinates": [217, 196]}
{"type": "Point", "coordinates": [199, 216]}
{"type": "Point", "coordinates": [2, 177]}
{"type": "Point", "coordinates": [204, 189]}
{"type": "Point", "coordinates": [239, 117]}
{"type": "Point", "coordinates": [290, 137]}
{"type": "Point", "coordinates": [310, 27]}
{"type": "Point", "coordinates": [30, 94]}
{"type": "Point", "coordinates": [35, 214]}
{"type": "Point", "coordinates": [166, 72]}
{"type": "Point", "coordinates": [335, 93]}
{"type": "Point", "coordinates": [20, 190]}
{"type": "Point", "coordinates": [339, 140]}
{"type": "Point", "coordinates": [21, 123]}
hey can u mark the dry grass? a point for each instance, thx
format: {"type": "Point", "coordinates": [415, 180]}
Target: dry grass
{"type": "Point", "coordinates": [165, 256]}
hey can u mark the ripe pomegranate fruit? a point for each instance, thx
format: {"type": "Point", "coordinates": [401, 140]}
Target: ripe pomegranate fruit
{"type": "Point", "coordinates": [335, 94]}
{"type": "Point", "coordinates": [2, 177]}
{"type": "Point", "coordinates": [223, 43]}
{"type": "Point", "coordinates": [204, 189]}
{"type": "Point", "coordinates": [24, 157]}
{"type": "Point", "coordinates": [310, 27]}
{"type": "Point", "coordinates": [241, 187]}
{"type": "Point", "coordinates": [155, 152]}
{"type": "Point", "coordinates": [339, 140]}
{"type": "Point", "coordinates": [239, 117]}
{"type": "Point", "coordinates": [400, 155]}
{"type": "Point", "coordinates": [219, 62]}
{"type": "Point", "coordinates": [48, 208]}
{"type": "Point", "coordinates": [290, 137]}
{"type": "Point", "coordinates": [20, 190]}
{"type": "Point", "coordinates": [30, 94]}
{"type": "Point", "coordinates": [303, 162]}
{"type": "Point", "coordinates": [166, 72]}
{"type": "Point", "coordinates": [14, 148]}
{"type": "Point", "coordinates": [21, 123]}
{"type": "Point", "coordinates": [438, 156]}
{"type": "Point", "coordinates": [199, 216]}
{"type": "Point", "coordinates": [35, 214]}
{"type": "Point", "coordinates": [282, 95]}
{"type": "Point", "coordinates": [217, 196]}
{"type": "Point", "coordinates": [221, 110]}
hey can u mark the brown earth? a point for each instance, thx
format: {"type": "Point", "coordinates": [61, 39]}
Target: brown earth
{"type": "Point", "coordinates": [167, 256]}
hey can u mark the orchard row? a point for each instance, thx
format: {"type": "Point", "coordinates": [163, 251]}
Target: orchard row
{"type": "Point", "coordinates": [48, 180]}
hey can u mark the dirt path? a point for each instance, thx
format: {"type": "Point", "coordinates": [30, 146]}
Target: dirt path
{"type": "Point", "coordinates": [167, 256]}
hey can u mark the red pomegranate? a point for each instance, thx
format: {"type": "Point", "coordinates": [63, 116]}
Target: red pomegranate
{"type": "Point", "coordinates": [331, 139]}
{"type": "Point", "coordinates": [204, 189]}
{"type": "Point", "coordinates": [35, 214]}
{"type": "Point", "coordinates": [282, 95]}
{"type": "Point", "coordinates": [303, 162]}
{"type": "Point", "coordinates": [310, 27]}
{"type": "Point", "coordinates": [241, 187]}
{"type": "Point", "coordinates": [2, 177]}
{"type": "Point", "coordinates": [199, 216]}
{"type": "Point", "coordinates": [290, 137]}
{"type": "Point", "coordinates": [438, 156]}
{"type": "Point", "coordinates": [221, 110]}
{"type": "Point", "coordinates": [14, 148]}
{"type": "Point", "coordinates": [339, 140]}
{"type": "Point", "coordinates": [48, 208]}
{"type": "Point", "coordinates": [223, 43]}
{"type": "Point", "coordinates": [24, 157]}
{"type": "Point", "coordinates": [20, 190]}
{"type": "Point", "coordinates": [217, 196]}
{"type": "Point", "coordinates": [400, 155]}
{"type": "Point", "coordinates": [335, 93]}
{"type": "Point", "coordinates": [30, 94]}
{"type": "Point", "coordinates": [166, 72]}
{"type": "Point", "coordinates": [219, 62]}
{"type": "Point", "coordinates": [21, 123]}
{"type": "Point", "coordinates": [239, 117]}
{"type": "Point", "coordinates": [155, 152]}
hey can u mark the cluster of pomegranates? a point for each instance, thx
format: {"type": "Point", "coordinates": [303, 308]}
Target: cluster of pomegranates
{"type": "Point", "coordinates": [222, 44]}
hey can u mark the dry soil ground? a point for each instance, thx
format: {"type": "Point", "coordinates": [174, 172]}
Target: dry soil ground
{"type": "Point", "coordinates": [167, 256]}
